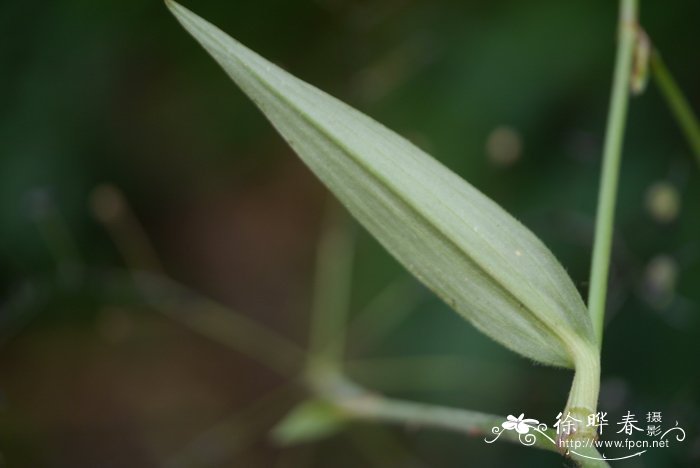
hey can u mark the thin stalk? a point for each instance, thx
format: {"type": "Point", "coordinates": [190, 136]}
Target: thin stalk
{"type": "Point", "coordinates": [202, 315]}
{"type": "Point", "coordinates": [57, 237]}
{"type": "Point", "coordinates": [612, 154]}
{"type": "Point", "coordinates": [111, 207]}
{"type": "Point", "coordinates": [583, 396]}
{"type": "Point", "coordinates": [331, 298]}
{"type": "Point", "coordinates": [361, 404]}
{"type": "Point", "coordinates": [220, 324]}
{"type": "Point", "coordinates": [677, 102]}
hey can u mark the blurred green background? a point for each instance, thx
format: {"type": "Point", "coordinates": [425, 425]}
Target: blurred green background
{"type": "Point", "coordinates": [111, 102]}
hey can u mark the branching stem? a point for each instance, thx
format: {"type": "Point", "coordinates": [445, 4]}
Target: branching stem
{"type": "Point", "coordinates": [677, 102]}
{"type": "Point", "coordinates": [362, 404]}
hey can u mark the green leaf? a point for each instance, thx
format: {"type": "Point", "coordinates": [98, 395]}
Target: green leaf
{"type": "Point", "coordinates": [463, 246]}
{"type": "Point", "coordinates": [309, 421]}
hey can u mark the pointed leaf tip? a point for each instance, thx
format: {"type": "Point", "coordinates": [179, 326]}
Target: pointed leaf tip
{"type": "Point", "coordinates": [462, 245]}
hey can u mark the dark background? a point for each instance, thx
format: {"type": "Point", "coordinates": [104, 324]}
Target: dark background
{"type": "Point", "coordinates": [115, 92]}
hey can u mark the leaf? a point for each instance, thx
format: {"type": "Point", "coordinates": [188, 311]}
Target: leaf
{"type": "Point", "coordinates": [309, 421]}
{"type": "Point", "coordinates": [463, 246]}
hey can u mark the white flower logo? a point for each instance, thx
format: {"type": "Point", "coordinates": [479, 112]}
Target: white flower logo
{"type": "Point", "coordinates": [522, 426]}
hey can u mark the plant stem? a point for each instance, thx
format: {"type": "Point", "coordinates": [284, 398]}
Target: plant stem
{"type": "Point", "coordinates": [220, 324]}
{"type": "Point", "coordinates": [57, 237]}
{"type": "Point", "coordinates": [612, 153]}
{"type": "Point", "coordinates": [359, 403]}
{"type": "Point", "coordinates": [333, 280]}
{"type": "Point", "coordinates": [202, 315]}
{"type": "Point", "coordinates": [583, 396]}
{"type": "Point", "coordinates": [677, 102]}
{"type": "Point", "coordinates": [111, 207]}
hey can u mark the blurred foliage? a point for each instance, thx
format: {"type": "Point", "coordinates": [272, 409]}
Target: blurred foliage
{"type": "Point", "coordinates": [116, 92]}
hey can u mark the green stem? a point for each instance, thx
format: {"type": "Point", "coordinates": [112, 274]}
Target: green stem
{"type": "Point", "coordinates": [612, 153]}
{"type": "Point", "coordinates": [58, 237]}
{"type": "Point", "coordinates": [359, 403]}
{"type": "Point", "coordinates": [205, 316]}
{"type": "Point", "coordinates": [111, 207]}
{"type": "Point", "coordinates": [220, 324]}
{"type": "Point", "coordinates": [677, 102]}
{"type": "Point", "coordinates": [583, 396]}
{"type": "Point", "coordinates": [333, 279]}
